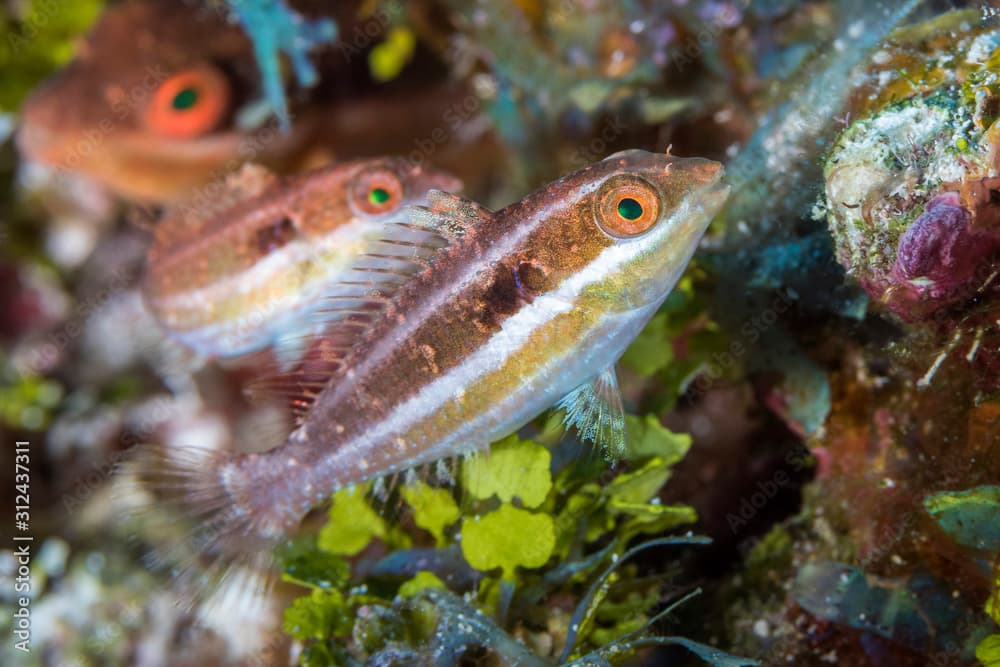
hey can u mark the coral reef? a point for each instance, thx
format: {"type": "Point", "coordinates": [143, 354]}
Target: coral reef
{"type": "Point", "coordinates": [810, 467]}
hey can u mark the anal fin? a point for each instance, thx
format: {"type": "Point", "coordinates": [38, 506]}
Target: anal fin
{"type": "Point", "coordinates": [595, 410]}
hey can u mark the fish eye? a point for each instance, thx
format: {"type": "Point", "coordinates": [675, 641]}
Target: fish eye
{"type": "Point", "coordinates": [627, 205]}
{"type": "Point", "coordinates": [189, 104]}
{"type": "Point", "coordinates": [377, 191]}
{"type": "Point", "coordinates": [629, 208]}
{"type": "Point", "coordinates": [378, 196]}
{"type": "Point", "coordinates": [185, 98]}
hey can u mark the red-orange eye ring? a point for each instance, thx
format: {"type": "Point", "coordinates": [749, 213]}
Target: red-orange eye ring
{"type": "Point", "coordinates": [189, 104]}
{"type": "Point", "coordinates": [377, 191]}
{"type": "Point", "coordinates": [627, 205]}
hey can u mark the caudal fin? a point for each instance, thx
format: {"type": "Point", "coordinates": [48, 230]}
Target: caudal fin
{"type": "Point", "coordinates": [197, 508]}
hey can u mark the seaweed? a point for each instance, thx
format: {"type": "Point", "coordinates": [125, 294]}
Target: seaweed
{"type": "Point", "coordinates": [525, 530]}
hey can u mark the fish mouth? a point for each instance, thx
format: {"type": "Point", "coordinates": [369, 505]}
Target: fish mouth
{"type": "Point", "coordinates": [150, 168]}
{"type": "Point", "coordinates": [707, 198]}
{"type": "Point", "coordinates": [716, 191]}
{"type": "Point", "coordinates": [681, 233]}
{"type": "Point", "coordinates": [34, 142]}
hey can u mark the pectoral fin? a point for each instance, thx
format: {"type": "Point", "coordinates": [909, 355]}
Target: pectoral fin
{"type": "Point", "coordinates": [595, 410]}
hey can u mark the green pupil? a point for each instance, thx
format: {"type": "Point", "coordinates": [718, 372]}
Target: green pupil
{"type": "Point", "coordinates": [629, 209]}
{"type": "Point", "coordinates": [185, 99]}
{"type": "Point", "coordinates": [378, 196]}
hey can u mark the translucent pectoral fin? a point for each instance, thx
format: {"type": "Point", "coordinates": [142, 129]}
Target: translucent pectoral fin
{"type": "Point", "coordinates": [595, 410]}
{"type": "Point", "coordinates": [288, 350]}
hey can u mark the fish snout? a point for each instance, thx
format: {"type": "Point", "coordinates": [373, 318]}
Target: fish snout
{"type": "Point", "coordinates": [696, 171]}
{"type": "Point", "coordinates": [709, 171]}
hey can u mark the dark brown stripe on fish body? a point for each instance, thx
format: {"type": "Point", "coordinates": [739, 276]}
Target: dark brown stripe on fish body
{"type": "Point", "coordinates": [431, 329]}
{"type": "Point", "coordinates": [255, 214]}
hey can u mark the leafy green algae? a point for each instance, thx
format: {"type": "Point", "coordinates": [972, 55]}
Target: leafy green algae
{"type": "Point", "coordinates": [514, 530]}
{"type": "Point", "coordinates": [508, 538]}
{"type": "Point", "coordinates": [37, 40]}
{"type": "Point", "coordinates": [513, 469]}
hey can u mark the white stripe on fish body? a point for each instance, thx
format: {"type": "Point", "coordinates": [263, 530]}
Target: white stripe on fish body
{"type": "Point", "coordinates": [293, 294]}
{"type": "Point", "coordinates": [602, 345]}
{"type": "Point", "coordinates": [346, 243]}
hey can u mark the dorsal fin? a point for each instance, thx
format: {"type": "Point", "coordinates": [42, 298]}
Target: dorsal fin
{"type": "Point", "coordinates": [449, 215]}
{"type": "Point", "coordinates": [397, 251]}
{"type": "Point", "coordinates": [300, 386]}
{"type": "Point", "coordinates": [187, 221]}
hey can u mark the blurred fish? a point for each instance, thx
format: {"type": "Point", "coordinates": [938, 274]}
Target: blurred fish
{"type": "Point", "coordinates": [464, 325]}
{"type": "Point", "coordinates": [165, 97]}
{"type": "Point", "coordinates": [246, 272]}
{"type": "Point", "coordinates": [158, 98]}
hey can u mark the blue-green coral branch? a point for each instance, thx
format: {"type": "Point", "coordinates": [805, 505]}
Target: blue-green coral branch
{"type": "Point", "coordinates": [275, 28]}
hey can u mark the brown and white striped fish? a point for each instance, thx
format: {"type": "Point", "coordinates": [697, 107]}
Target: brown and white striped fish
{"type": "Point", "coordinates": [520, 308]}
{"type": "Point", "coordinates": [243, 271]}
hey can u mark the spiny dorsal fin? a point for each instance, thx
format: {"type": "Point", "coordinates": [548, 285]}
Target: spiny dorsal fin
{"type": "Point", "coordinates": [398, 251]}
{"type": "Point", "coordinates": [595, 410]}
{"type": "Point", "coordinates": [449, 215]}
{"type": "Point", "coordinates": [300, 386]}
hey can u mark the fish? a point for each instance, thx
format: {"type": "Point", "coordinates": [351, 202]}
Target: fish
{"type": "Point", "coordinates": [163, 99]}
{"type": "Point", "coordinates": [240, 272]}
{"type": "Point", "coordinates": [462, 326]}
{"type": "Point", "coordinates": [152, 102]}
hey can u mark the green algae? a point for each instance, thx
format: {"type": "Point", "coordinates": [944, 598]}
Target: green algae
{"type": "Point", "coordinates": [497, 540]}
{"type": "Point", "coordinates": [527, 531]}
{"type": "Point", "coordinates": [36, 40]}
{"type": "Point", "coordinates": [514, 468]}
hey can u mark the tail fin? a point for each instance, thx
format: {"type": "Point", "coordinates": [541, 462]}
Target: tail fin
{"type": "Point", "coordinates": [197, 508]}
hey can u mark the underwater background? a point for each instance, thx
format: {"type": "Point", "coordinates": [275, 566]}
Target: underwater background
{"type": "Point", "coordinates": [811, 468]}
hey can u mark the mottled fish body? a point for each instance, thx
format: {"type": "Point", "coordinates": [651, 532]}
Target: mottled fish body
{"type": "Point", "coordinates": [518, 309]}
{"type": "Point", "coordinates": [232, 277]}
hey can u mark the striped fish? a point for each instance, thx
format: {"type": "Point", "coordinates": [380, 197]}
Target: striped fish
{"type": "Point", "coordinates": [502, 315]}
{"type": "Point", "coordinates": [239, 274]}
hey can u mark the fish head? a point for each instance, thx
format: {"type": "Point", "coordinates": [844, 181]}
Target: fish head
{"type": "Point", "coordinates": [160, 98]}
{"type": "Point", "coordinates": [655, 211]}
{"type": "Point", "coordinates": [264, 244]}
{"type": "Point", "coordinates": [379, 189]}
{"type": "Point", "coordinates": [620, 232]}
{"type": "Point", "coordinates": [255, 214]}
